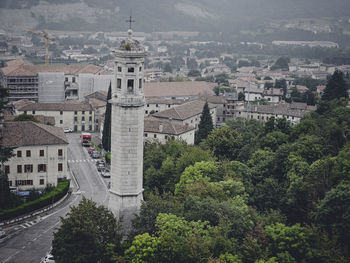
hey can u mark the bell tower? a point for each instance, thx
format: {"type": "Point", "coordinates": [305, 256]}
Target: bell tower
{"type": "Point", "coordinates": [127, 129]}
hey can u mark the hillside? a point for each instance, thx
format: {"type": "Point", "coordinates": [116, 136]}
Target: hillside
{"type": "Point", "coordinates": [162, 15]}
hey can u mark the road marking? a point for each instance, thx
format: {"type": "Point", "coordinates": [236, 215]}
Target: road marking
{"type": "Point", "coordinates": [51, 227]}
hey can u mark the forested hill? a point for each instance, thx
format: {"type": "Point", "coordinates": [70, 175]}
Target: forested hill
{"type": "Point", "coordinates": [165, 15]}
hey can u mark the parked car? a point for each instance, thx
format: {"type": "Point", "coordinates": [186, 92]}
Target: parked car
{"type": "Point", "coordinates": [48, 259]}
{"type": "Point", "coordinates": [67, 130]}
{"type": "Point", "coordinates": [2, 233]}
{"type": "Point", "coordinates": [106, 173]}
{"type": "Point", "coordinates": [100, 166]}
{"type": "Point", "coordinates": [95, 155]}
{"type": "Point", "coordinates": [91, 150]}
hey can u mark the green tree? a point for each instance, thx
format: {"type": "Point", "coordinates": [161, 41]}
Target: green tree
{"type": "Point", "coordinates": [205, 125]}
{"type": "Point", "coordinates": [85, 234]}
{"type": "Point", "coordinates": [106, 136]}
{"type": "Point", "coordinates": [281, 63]}
{"type": "Point", "coordinates": [26, 117]}
{"type": "Point", "coordinates": [333, 214]}
{"type": "Point", "coordinates": [336, 87]}
{"type": "Point", "coordinates": [6, 153]}
{"type": "Point", "coordinates": [224, 143]}
{"type": "Point", "coordinates": [241, 96]}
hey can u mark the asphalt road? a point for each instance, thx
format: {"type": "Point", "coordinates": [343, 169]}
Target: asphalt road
{"type": "Point", "coordinates": [32, 239]}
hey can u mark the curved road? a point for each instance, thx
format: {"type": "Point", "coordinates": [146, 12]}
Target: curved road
{"type": "Point", "coordinates": [32, 239]}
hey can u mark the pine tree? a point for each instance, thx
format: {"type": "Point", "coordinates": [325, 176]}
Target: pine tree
{"type": "Point", "coordinates": [106, 136]}
{"type": "Point", "coordinates": [336, 87]}
{"type": "Point", "coordinates": [205, 125]}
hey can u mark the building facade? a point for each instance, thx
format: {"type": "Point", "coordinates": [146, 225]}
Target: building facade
{"type": "Point", "coordinates": [40, 155]}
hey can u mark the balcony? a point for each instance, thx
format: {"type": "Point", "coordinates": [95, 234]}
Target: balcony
{"type": "Point", "coordinates": [70, 85]}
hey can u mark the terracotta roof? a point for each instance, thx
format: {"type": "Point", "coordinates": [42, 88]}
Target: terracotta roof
{"type": "Point", "coordinates": [41, 118]}
{"type": "Point", "coordinates": [29, 133]}
{"type": "Point", "coordinates": [156, 125]}
{"type": "Point", "coordinates": [17, 68]}
{"type": "Point", "coordinates": [214, 99]}
{"type": "Point", "coordinates": [56, 107]}
{"type": "Point", "coordinates": [21, 103]}
{"type": "Point", "coordinates": [174, 89]}
{"type": "Point", "coordinates": [157, 100]}
{"type": "Point", "coordinates": [184, 111]}
{"type": "Point", "coordinates": [96, 103]}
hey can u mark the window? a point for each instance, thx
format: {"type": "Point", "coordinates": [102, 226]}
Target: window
{"type": "Point", "coordinates": [75, 112]}
{"type": "Point", "coordinates": [90, 127]}
{"type": "Point", "coordinates": [131, 69]}
{"type": "Point", "coordinates": [119, 69]}
{"type": "Point", "coordinates": [24, 182]}
{"type": "Point", "coordinates": [61, 121]}
{"type": "Point", "coordinates": [165, 137]}
{"type": "Point", "coordinates": [7, 169]}
{"type": "Point", "coordinates": [155, 135]}
{"type": "Point", "coordinates": [33, 112]}
{"type": "Point", "coordinates": [75, 118]}
{"type": "Point", "coordinates": [19, 153]}
{"type": "Point", "coordinates": [146, 112]}
{"type": "Point", "coordinates": [90, 118]}
{"type": "Point", "coordinates": [42, 181]}
{"type": "Point", "coordinates": [28, 168]}
{"type": "Point", "coordinates": [66, 79]}
{"type": "Point", "coordinates": [140, 83]}
{"type": "Point", "coordinates": [82, 118]}
{"type": "Point", "coordinates": [157, 106]}
{"type": "Point", "coordinates": [60, 167]}
{"type": "Point", "coordinates": [83, 112]}
{"type": "Point", "coordinates": [146, 135]}
{"type": "Point", "coordinates": [60, 152]}
{"type": "Point", "coordinates": [119, 83]}
{"type": "Point", "coordinates": [130, 85]}
{"type": "Point", "coordinates": [28, 153]}
{"type": "Point", "coordinates": [19, 169]}
{"type": "Point", "coordinates": [82, 127]}
{"type": "Point", "coordinates": [147, 105]}
{"type": "Point", "coordinates": [41, 168]}
{"type": "Point", "coordinates": [90, 112]}
{"type": "Point", "coordinates": [140, 68]}
{"type": "Point", "coordinates": [168, 105]}
{"type": "Point", "coordinates": [42, 153]}
{"type": "Point", "coordinates": [73, 79]}
{"type": "Point", "coordinates": [61, 112]}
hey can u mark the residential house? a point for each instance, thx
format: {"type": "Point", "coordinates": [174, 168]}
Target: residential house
{"type": "Point", "coordinates": [40, 154]}
{"type": "Point", "coordinates": [77, 116]}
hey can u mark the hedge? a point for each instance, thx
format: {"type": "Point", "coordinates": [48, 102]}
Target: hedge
{"type": "Point", "coordinates": [48, 199]}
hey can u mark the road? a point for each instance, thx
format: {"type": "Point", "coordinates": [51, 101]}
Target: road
{"type": "Point", "coordinates": [32, 239]}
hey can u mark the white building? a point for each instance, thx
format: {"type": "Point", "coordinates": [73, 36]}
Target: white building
{"type": "Point", "coordinates": [159, 130]}
{"type": "Point", "coordinates": [77, 116]}
{"type": "Point", "coordinates": [40, 154]}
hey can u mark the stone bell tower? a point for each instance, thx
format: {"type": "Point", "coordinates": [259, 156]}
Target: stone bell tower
{"type": "Point", "coordinates": [127, 130]}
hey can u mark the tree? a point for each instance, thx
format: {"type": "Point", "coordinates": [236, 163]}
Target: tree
{"type": "Point", "coordinates": [205, 125]}
{"type": "Point", "coordinates": [224, 143]}
{"type": "Point", "coordinates": [167, 68]}
{"type": "Point", "coordinates": [85, 234]}
{"type": "Point", "coordinates": [333, 213]}
{"type": "Point", "coordinates": [336, 87]}
{"type": "Point", "coordinates": [281, 63]}
{"type": "Point", "coordinates": [106, 136]}
{"type": "Point", "coordinates": [241, 96]}
{"type": "Point", "coordinates": [26, 117]}
{"type": "Point", "coordinates": [194, 73]}
{"type": "Point", "coordinates": [5, 154]}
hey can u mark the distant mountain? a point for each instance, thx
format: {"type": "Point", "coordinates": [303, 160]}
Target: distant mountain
{"type": "Point", "coordinates": [162, 15]}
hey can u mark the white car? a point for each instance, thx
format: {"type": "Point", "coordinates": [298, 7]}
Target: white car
{"type": "Point", "coordinates": [67, 130]}
{"type": "Point", "coordinates": [48, 259]}
{"type": "Point", "coordinates": [106, 173]}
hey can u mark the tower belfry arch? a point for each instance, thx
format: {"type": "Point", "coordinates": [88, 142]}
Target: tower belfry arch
{"type": "Point", "coordinates": [127, 129]}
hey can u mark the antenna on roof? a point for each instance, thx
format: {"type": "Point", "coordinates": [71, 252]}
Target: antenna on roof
{"type": "Point", "coordinates": [130, 21]}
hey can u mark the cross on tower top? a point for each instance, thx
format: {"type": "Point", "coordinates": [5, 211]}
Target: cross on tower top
{"type": "Point", "coordinates": [130, 21]}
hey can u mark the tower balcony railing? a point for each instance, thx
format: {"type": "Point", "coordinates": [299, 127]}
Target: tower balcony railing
{"type": "Point", "coordinates": [129, 101]}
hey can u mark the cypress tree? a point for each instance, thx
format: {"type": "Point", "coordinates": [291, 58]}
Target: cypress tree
{"type": "Point", "coordinates": [336, 87]}
{"type": "Point", "coordinates": [205, 125]}
{"type": "Point", "coordinates": [106, 136]}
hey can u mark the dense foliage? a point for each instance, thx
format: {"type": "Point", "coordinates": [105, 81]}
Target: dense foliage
{"type": "Point", "coordinates": [250, 193]}
{"type": "Point", "coordinates": [107, 125]}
